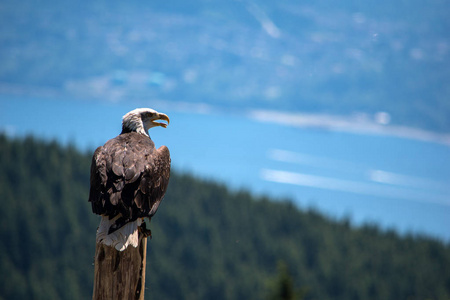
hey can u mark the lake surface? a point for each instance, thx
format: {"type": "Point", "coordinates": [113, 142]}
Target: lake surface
{"type": "Point", "coordinates": [395, 182]}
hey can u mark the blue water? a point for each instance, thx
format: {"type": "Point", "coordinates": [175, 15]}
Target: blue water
{"type": "Point", "coordinates": [397, 183]}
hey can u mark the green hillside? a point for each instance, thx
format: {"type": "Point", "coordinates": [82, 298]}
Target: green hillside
{"type": "Point", "coordinates": [208, 242]}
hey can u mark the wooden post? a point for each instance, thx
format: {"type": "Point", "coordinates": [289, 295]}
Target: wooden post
{"type": "Point", "coordinates": [120, 274]}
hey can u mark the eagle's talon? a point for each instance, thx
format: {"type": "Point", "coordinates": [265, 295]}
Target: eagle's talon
{"type": "Point", "coordinates": [146, 232]}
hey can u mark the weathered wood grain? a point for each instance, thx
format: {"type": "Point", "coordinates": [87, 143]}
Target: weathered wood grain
{"type": "Point", "coordinates": [120, 274]}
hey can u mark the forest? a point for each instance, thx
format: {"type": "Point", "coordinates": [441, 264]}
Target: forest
{"type": "Point", "coordinates": [209, 242]}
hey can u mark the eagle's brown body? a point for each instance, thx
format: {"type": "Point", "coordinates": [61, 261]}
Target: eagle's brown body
{"type": "Point", "coordinates": [129, 176]}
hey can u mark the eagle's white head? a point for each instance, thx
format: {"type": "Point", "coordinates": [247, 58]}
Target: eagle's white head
{"type": "Point", "coordinates": [140, 120]}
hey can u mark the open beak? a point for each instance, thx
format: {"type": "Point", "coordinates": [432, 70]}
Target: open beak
{"type": "Point", "coordinates": [162, 117]}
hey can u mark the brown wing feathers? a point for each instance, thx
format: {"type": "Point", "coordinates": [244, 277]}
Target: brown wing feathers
{"type": "Point", "coordinates": [159, 186]}
{"type": "Point", "coordinates": [129, 176]}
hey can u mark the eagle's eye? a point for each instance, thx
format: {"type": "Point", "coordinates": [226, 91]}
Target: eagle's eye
{"type": "Point", "coordinates": [148, 115]}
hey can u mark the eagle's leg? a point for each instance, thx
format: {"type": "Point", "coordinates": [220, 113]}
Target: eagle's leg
{"type": "Point", "coordinates": [143, 229]}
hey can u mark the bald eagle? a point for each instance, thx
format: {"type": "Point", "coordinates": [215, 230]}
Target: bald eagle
{"type": "Point", "coordinates": [129, 178]}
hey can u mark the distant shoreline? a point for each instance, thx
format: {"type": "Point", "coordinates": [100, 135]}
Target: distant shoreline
{"type": "Point", "coordinates": [358, 122]}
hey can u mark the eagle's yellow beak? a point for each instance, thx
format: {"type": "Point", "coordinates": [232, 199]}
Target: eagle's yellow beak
{"type": "Point", "coordinates": [163, 117]}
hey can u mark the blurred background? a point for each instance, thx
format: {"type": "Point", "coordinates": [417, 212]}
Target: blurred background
{"type": "Point", "coordinates": [340, 107]}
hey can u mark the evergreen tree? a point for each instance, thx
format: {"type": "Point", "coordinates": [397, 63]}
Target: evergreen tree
{"type": "Point", "coordinates": [282, 287]}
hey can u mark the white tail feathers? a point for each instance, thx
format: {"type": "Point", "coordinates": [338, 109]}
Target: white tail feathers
{"type": "Point", "coordinates": [122, 237]}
